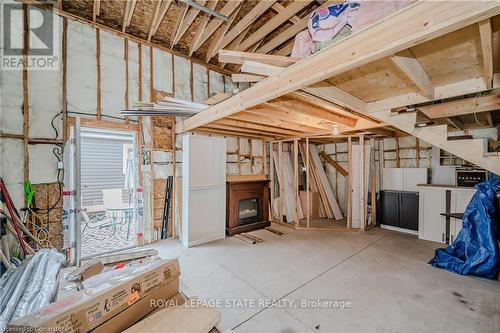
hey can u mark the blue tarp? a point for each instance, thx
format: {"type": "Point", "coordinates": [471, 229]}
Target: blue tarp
{"type": "Point", "coordinates": [475, 250]}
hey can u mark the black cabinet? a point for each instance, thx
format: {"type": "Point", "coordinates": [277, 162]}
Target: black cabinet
{"type": "Point", "coordinates": [399, 209]}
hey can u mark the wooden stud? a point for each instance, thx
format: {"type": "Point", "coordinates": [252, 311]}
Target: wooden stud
{"type": "Point", "coordinates": [191, 82]}
{"type": "Point", "coordinates": [381, 162]}
{"type": "Point", "coordinates": [271, 176]}
{"type": "Point", "coordinates": [280, 181]}
{"type": "Point", "coordinates": [96, 11]}
{"type": "Point", "coordinates": [362, 199]}
{"type": "Point", "coordinates": [398, 159]}
{"type": "Point", "coordinates": [187, 21]}
{"type": "Point", "coordinates": [65, 77]}
{"type": "Point", "coordinates": [125, 58]}
{"type": "Point", "coordinates": [26, 107]}
{"type": "Point", "coordinates": [373, 184]}
{"type": "Point", "coordinates": [140, 73]}
{"type": "Point", "coordinates": [410, 66]}
{"type": "Point", "coordinates": [98, 61]}
{"type": "Point", "coordinates": [349, 190]}
{"type": "Point", "coordinates": [417, 152]}
{"type": "Point", "coordinates": [296, 179]}
{"type": "Point", "coordinates": [335, 164]}
{"type": "Point", "coordinates": [151, 76]}
{"type": "Point", "coordinates": [308, 166]}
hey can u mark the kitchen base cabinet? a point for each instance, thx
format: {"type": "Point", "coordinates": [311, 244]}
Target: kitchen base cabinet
{"type": "Point", "coordinates": [399, 209]}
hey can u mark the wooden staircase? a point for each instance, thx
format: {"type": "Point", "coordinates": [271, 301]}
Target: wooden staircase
{"type": "Point", "coordinates": [472, 150]}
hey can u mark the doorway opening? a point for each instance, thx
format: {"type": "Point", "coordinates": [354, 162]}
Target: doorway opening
{"type": "Point", "coordinates": [108, 182]}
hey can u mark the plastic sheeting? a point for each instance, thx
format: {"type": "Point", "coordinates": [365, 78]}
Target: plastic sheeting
{"type": "Point", "coordinates": [29, 287]}
{"type": "Point", "coordinates": [475, 250]}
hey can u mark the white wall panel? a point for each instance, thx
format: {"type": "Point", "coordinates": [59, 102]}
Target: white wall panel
{"type": "Point", "coordinates": [182, 77]}
{"type": "Point", "coordinates": [200, 83]}
{"type": "Point", "coordinates": [162, 71]}
{"type": "Point", "coordinates": [112, 74]}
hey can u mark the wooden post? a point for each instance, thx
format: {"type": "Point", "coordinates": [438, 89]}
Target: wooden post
{"type": "Point", "coordinates": [125, 58]}
{"type": "Point", "coordinates": [98, 61]}
{"type": "Point", "coordinates": [174, 186]}
{"type": "Point", "coordinates": [362, 200]}
{"type": "Point", "coordinates": [280, 180]}
{"type": "Point", "coordinates": [65, 78]}
{"type": "Point", "coordinates": [264, 157]}
{"type": "Point", "coordinates": [417, 152]}
{"type": "Point", "coordinates": [373, 183]}
{"type": "Point", "coordinates": [239, 157]}
{"type": "Point", "coordinates": [398, 160]}
{"type": "Point", "coordinates": [349, 187]}
{"type": "Point", "coordinates": [271, 175]}
{"type": "Point", "coordinates": [381, 163]}
{"type": "Point", "coordinates": [296, 179]}
{"type": "Point", "coordinates": [26, 107]}
{"type": "Point", "coordinates": [307, 183]}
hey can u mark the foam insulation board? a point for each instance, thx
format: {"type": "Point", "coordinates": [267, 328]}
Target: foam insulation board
{"type": "Point", "coordinates": [256, 147]}
{"type": "Point", "coordinates": [45, 96]}
{"type": "Point", "coordinates": [231, 144]}
{"type": "Point", "coordinates": [329, 148]}
{"type": "Point", "coordinates": [146, 83]}
{"type": "Point", "coordinates": [82, 67]}
{"type": "Point", "coordinates": [162, 71]}
{"type": "Point", "coordinates": [178, 140]}
{"type": "Point", "coordinates": [11, 168]}
{"type": "Point", "coordinates": [112, 74]}
{"type": "Point", "coordinates": [178, 156]}
{"type": "Point", "coordinates": [133, 72]}
{"type": "Point", "coordinates": [229, 85]}
{"type": "Point", "coordinates": [43, 164]}
{"type": "Point", "coordinates": [182, 77]}
{"type": "Point", "coordinates": [232, 169]}
{"type": "Point", "coordinates": [200, 83]}
{"type": "Point", "coordinates": [162, 156]}
{"type": "Point", "coordinates": [216, 83]}
{"type": "Point", "coordinates": [162, 171]}
{"type": "Point", "coordinates": [232, 158]}
{"type": "Point", "coordinates": [244, 146]}
{"type": "Point", "coordinates": [389, 143]}
{"type": "Point", "coordinates": [11, 101]}
{"type": "Point", "coordinates": [342, 157]}
{"type": "Point", "coordinates": [407, 141]}
{"type": "Point", "coordinates": [257, 168]}
{"type": "Point", "coordinates": [246, 168]}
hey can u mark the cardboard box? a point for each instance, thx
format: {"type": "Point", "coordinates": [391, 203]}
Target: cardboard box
{"type": "Point", "coordinates": [87, 309]}
{"type": "Point", "coordinates": [165, 296]}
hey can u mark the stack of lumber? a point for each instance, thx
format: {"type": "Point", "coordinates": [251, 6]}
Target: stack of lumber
{"type": "Point", "coordinates": [319, 182]}
{"type": "Point", "coordinates": [168, 106]}
{"type": "Point", "coordinates": [286, 180]}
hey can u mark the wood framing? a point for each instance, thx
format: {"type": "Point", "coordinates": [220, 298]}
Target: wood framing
{"type": "Point", "coordinates": [440, 17]}
{"type": "Point", "coordinates": [410, 66]}
{"type": "Point", "coordinates": [487, 50]}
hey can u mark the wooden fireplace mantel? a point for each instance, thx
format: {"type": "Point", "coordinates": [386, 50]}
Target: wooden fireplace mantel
{"type": "Point", "coordinates": [244, 190]}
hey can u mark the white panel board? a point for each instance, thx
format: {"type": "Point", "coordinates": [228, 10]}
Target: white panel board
{"type": "Point", "coordinates": [393, 179]}
{"type": "Point", "coordinates": [146, 83]}
{"type": "Point", "coordinates": [112, 74]}
{"type": "Point", "coordinates": [11, 101]}
{"type": "Point", "coordinates": [43, 164]}
{"type": "Point", "coordinates": [133, 72]}
{"type": "Point", "coordinates": [182, 76]}
{"type": "Point", "coordinates": [11, 168]}
{"type": "Point", "coordinates": [162, 71]}
{"type": "Point", "coordinates": [82, 67]}
{"type": "Point", "coordinates": [203, 189]}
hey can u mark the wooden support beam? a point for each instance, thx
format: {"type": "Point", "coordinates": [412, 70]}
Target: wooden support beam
{"type": "Point", "coordinates": [285, 50]}
{"type": "Point", "coordinates": [239, 58]}
{"type": "Point", "coordinates": [261, 118]}
{"type": "Point", "coordinates": [312, 111]}
{"type": "Point", "coordinates": [258, 9]}
{"type": "Point", "coordinates": [334, 164]}
{"type": "Point", "coordinates": [98, 72]}
{"type": "Point", "coordinates": [215, 23]}
{"type": "Point", "coordinates": [489, 119]}
{"type": "Point", "coordinates": [487, 50]}
{"type": "Point", "coordinates": [244, 130]}
{"type": "Point", "coordinates": [290, 116]}
{"type": "Point", "coordinates": [373, 185]}
{"type": "Point", "coordinates": [201, 28]}
{"type": "Point", "coordinates": [411, 67]}
{"type": "Point", "coordinates": [289, 11]}
{"type": "Point", "coordinates": [362, 199]}
{"type": "Point", "coordinates": [219, 37]}
{"type": "Point", "coordinates": [246, 77]}
{"type": "Point", "coordinates": [129, 12]}
{"type": "Point", "coordinates": [462, 107]}
{"type": "Point", "coordinates": [96, 10]}
{"type": "Point", "coordinates": [154, 18]}
{"type": "Point", "coordinates": [239, 124]}
{"type": "Point", "coordinates": [356, 50]}
{"type": "Point", "coordinates": [26, 103]}
{"type": "Point", "coordinates": [455, 122]}
{"type": "Point", "coordinates": [349, 185]}
{"type": "Point", "coordinates": [233, 133]}
{"type": "Point", "coordinates": [187, 21]}
{"type": "Point", "coordinates": [180, 18]}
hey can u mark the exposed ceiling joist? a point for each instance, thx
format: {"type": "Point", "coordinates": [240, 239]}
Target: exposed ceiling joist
{"type": "Point", "coordinates": [129, 12]}
{"type": "Point", "coordinates": [180, 18]}
{"type": "Point", "coordinates": [278, 8]}
{"type": "Point", "coordinates": [487, 50]}
{"type": "Point", "coordinates": [96, 10]}
{"type": "Point", "coordinates": [246, 21]}
{"type": "Point", "coordinates": [210, 130]}
{"type": "Point", "coordinates": [243, 130]}
{"type": "Point", "coordinates": [455, 122]}
{"type": "Point", "coordinates": [284, 15]}
{"type": "Point", "coordinates": [246, 77]}
{"type": "Point", "coordinates": [216, 43]}
{"type": "Point", "coordinates": [289, 115]}
{"type": "Point", "coordinates": [286, 50]}
{"type": "Point", "coordinates": [187, 21]}
{"type": "Point", "coordinates": [409, 65]}
{"type": "Point", "coordinates": [462, 107]}
{"type": "Point", "coordinates": [215, 23]}
{"type": "Point", "coordinates": [159, 12]}
{"type": "Point", "coordinates": [258, 127]}
{"type": "Point", "coordinates": [356, 50]}
{"type": "Point", "coordinates": [201, 28]}
{"type": "Point", "coordinates": [237, 57]}
{"type": "Point", "coordinates": [258, 118]}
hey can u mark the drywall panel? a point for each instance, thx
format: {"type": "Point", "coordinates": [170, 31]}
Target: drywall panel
{"type": "Point", "coordinates": [162, 71]}
{"type": "Point", "coordinates": [216, 83]}
{"type": "Point", "coordinates": [182, 77]}
{"type": "Point", "coordinates": [112, 75]}
{"type": "Point", "coordinates": [146, 83]}
{"type": "Point", "coordinates": [11, 168]}
{"type": "Point", "coordinates": [200, 83]}
{"type": "Point", "coordinates": [43, 164]}
{"type": "Point", "coordinates": [81, 68]}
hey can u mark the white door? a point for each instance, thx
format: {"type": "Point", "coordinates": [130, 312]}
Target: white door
{"type": "Point", "coordinates": [203, 189]}
{"type": "Point", "coordinates": [432, 225]}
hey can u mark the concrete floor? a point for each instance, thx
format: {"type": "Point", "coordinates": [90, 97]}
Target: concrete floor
{"type": "Point", "coordinates": [384, 274]}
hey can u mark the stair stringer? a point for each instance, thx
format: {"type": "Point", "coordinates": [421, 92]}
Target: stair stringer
{"type": "Point", "coordinates": [471, 150]}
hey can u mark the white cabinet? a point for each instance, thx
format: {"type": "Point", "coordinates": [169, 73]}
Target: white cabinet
{"type": "Point", "coordinates": [203, 189]}
{"type": "Point", "coordinates": [431, 225]}
{"type": "Point", "coordinates": [404, 179]}
{"type": "Point", "coordinates": [432, 202]}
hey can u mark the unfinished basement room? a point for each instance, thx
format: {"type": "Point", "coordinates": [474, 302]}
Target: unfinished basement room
{"type": "Point", "coordinates": [248, 166]}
